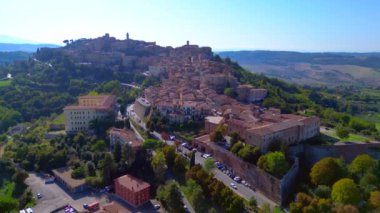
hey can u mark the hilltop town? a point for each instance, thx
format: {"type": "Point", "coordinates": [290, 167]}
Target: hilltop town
{"type": "Point", "coordinates": [147, 128]}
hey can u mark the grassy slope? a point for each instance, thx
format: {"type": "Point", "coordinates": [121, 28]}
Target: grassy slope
{"type": "Point", "coordinates": [5, 83]}
{"type": "Point", "coordinates": [60, 119]}
{"type": "Point", "coordinates": [352, 137]}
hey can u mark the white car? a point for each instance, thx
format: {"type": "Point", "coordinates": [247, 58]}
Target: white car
{"type": "Point", "coordinates": [206, 156]}
{"type": "Point", "coordinates": [157, 206]}
{"type": "Point", "coordinates": [237, 179]}
{"type": "Point", "coordinates": [29, 210]}
{"type": "Point", "coordinates": [233, 185]}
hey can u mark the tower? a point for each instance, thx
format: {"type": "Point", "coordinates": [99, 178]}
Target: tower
{"type": "Point", "coordinates": [187, 43]}
{"type": "Point", "coordinates": [127, 36]}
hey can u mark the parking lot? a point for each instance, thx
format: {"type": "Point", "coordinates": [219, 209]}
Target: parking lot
{"type": "Point", "coordinates": [53, 196]}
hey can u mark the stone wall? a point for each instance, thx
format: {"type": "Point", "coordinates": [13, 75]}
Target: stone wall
{"type": "Point", "coordinates": [348, 151]}
{"type": "Point", "coordinates": [276, 189]}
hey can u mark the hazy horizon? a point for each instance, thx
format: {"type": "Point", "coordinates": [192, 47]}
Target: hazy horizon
{"type": "Point", "coordinates": [306, 26]}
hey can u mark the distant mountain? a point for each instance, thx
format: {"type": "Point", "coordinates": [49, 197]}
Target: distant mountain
{"type": "Point", "coordinates": [312, 68]}
{"type": "Point", "coordinates": [10, 44]}
{"type": "Point", "coordinates": [6, 47]}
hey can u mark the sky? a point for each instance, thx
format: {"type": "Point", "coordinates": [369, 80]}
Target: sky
{"type": "Point", "coordinates": [297, 25]}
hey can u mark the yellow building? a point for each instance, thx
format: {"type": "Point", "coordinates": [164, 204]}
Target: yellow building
{"type": "Point", "coordinates": [78, 117]}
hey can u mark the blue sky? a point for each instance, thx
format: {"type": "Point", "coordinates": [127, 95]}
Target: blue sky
{"type": "Point", "coordinates": [307, 25]}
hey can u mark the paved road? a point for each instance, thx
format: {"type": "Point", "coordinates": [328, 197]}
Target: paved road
{"type": "Point", "coordinates": [241, 190]}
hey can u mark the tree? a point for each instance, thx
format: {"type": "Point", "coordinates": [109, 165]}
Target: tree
{"type": "Point", "coordinates": [179, 167]}
{"type": "Point", "coordinates": [265, 208]}
{"type": "Point", "coordinates": [345, 191]}
{"type": "Point", "coordinates": [170, 154]}
{"type": "Point", "coordinates": [236, 147]}
{"type": "Point", "coordinates": [327, 171]}
{"type": "Point", "coordinates": [361, 164]}
{"type": "Point", "coordinates": [253, 204]}
{"type": "Point", "coordinates": [216, 136]}
{"type": "Point", "coordinates": [107, 167]}
{"type": "Point", "coordinates": [342, 132]}
{"type": "Point", "coordinates": [322, 191]}
{"type": "Point", "coordinates": [91, 170]}
{"type": "Point", "coordinates": [128, 156]}
{"type": "Point", "coordinates": [195, 194]}
{"type": "Point", "coordinates": [151, 143]}
{"type": "Point", "coordinates": [209, 164]}
{"type": "Point", "coordinates": [127, 124]}
{"type": "Point", "coordinates": [230, 92]}
{"type": "Point", "coordinates": [192, 159]}
{"type": "Point", "coordinates": [8, 204]}
{"type": "Point", "coordinates": [99, 146]}
{"type": "Point", "coordinates": [276, 163]}
{"type": "Point", "coordinates": [78, 172]}
{"type": "Point", "coordinates": [20, 176]}
{"type": "Point", "coordinates": [235, 137]}
{"type": "Point", "coordinates": [170, 197]}
{"type": "Point", "coordinates": [340, 208]}
{"type": "Point", "coordinates": [249, 153]}
{"type": "Point", "coordinates": [159, 165]}
{"type": "Point", "coordinates": [79, 139]}
{"type": "Point", "coordinates": [374, 200]}
{"type": "Point", "coordinates": [117, 151]}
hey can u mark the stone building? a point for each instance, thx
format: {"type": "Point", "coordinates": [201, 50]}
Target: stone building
{"type": "Point", "coordinates": [78, 117]}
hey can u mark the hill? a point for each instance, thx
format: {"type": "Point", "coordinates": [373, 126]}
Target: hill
{"type": "Point", "coordinates": [8, 57]}
{"type": "Point", "coordinates": [54, 77]}
{"type": "Point", "coordinates": [331, 69]}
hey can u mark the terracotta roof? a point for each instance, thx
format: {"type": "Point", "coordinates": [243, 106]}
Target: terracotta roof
{"type": "Point", "coordinates": [113, 207]}
{"type": "Point", "coordinates": [132, 183]}
{"type": "Point", "coordinates": [126, 135]}
{"type": "Point", "coordinates": [105, 102]}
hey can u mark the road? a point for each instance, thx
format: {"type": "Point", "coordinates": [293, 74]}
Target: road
{"type": "Point", "coordinates": [241, 190]}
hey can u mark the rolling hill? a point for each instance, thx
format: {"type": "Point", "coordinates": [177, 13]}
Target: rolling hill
{"type": "Point", "coordinates": [332, 69]}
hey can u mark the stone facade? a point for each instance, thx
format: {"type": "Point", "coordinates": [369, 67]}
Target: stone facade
{"type": "Point", "coordinates": [276, 189]}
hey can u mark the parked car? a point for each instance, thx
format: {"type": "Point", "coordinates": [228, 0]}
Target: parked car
{"type": "Point", "coordinates": [233, 185]}
{"type": "Point", "coordinates": [206, 155]}
{"type": "Point", "coordinates": [157, 206]}
{"type": "Point", "coordinates": [39, 195]}
{"type": "Point", "coordinates": [237, 179]}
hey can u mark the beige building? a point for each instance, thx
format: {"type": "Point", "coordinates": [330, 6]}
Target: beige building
{"type": "Point", "coordinates": [249, 94]}
{"type": "Point", "coordinates": [124, 136]}
{"type": "Point", "coordinates": [78, 117]}
{"type": "Point", "coordinates": [141, 107]}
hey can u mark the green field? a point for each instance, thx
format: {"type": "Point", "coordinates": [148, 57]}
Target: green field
{"type": "Point", "coordinates": [352, 137]}
{"type": "Point", "coordinates": [5, 83]}
{"type": "Point", "coordinates": [375, 118]}
{"type": "Point", "coordinates": [60, 119]}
